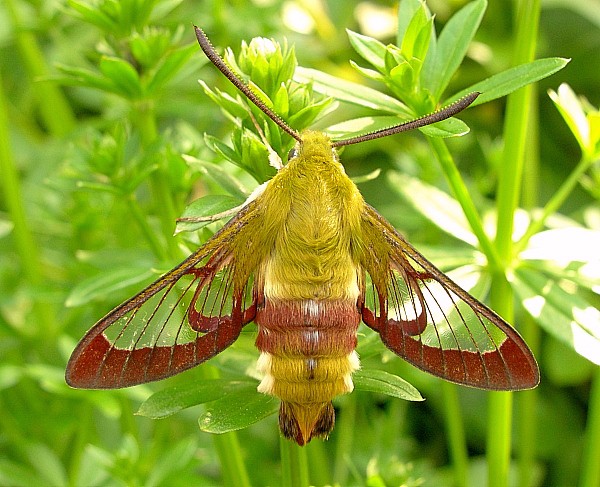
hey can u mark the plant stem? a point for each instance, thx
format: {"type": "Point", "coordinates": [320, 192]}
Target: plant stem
{"type": "Point", "coordinates": [146, 123]}
{"type": "Point", "coordinates": [461, 193]}
{"type": "Point", "coordinates": [456, 434]}
{"type": "Point", "coordinates": [510, 183]}
{"type": "Point", "coordinates": [528, 412]}
{"type": "Point", "coordinates": [294, 467]}
{"type": "Point", "coordinates": [228, 449]}
{"type": "Point", "coordinates": [55, 111]}
{"type": "Point", "coordinates": [556, 201]}
{"type": "Point", "coordinates": [25, 244]}
{"type": "Point", "coordinates": [526, 419]}
{"type": "Point", "coordinates": [142, 221]}
{"type": "Point", "coordinates": [590, 466]}
{"type": "Point", "coordinates": [344, 439]}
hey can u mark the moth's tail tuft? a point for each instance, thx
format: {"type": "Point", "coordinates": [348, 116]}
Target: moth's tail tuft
{"type": "Point", "coordinates": [303, 422]}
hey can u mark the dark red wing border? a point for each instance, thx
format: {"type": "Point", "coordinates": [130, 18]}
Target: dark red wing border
{"type": "Point", "coordinates": [463, 340]}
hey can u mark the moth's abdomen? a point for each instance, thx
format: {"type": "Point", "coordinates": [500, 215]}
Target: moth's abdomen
{"type": "Point", "coordinates": [307, 358]}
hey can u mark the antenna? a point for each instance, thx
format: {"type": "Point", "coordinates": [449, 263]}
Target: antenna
{"type": "Point", "coordinates": [437, 116]}
{"type": "Point", "coordinates": [218, 61]}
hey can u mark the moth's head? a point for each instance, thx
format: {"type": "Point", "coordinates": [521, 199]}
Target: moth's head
{"type": "Point", "coordinates": [313, 146]}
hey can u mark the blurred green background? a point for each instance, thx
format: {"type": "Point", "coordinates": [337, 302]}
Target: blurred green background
{"type": "Point", "coordinates": [94, 176]}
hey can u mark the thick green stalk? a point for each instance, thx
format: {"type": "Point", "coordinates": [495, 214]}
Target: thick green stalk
{"type": "Point", "coordinates": [294, 467]}
{"type": "Point", "coordinates": [510, 183]}
{"type": "Point", "coordinates": [55, 111]}
{"type": "Point", "coordinates": [456, 434]}
{"type": "Point", "coordinates": [526, 419]}
{"type": "Point", "coordinates": [461, 193]}
{"type": "Point", "coordinates": [590, 466]}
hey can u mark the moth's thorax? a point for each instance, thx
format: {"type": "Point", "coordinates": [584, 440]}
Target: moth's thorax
{"type": "Point", "coordinates": [315, 209]}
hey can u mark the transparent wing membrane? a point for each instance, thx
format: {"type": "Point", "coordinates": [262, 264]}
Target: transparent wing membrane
{"type": "Point", "coordinates": [427, 319]}
{"type": "Point", "coordinates": [183, 319]}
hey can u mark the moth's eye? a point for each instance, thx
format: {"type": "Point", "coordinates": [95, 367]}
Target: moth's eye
{"type": "Point", "coordinates": [292, 153]}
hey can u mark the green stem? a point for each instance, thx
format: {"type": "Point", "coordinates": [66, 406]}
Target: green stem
{"type": "Point", "coordinates": [146, 123]}
{"type": "Point", "coordinates": [510, 183]}
{"type": "Point", "coordinates": [456, 434]}
{"type": "Point", "coordinates": [344, 439]}
{"type": "Point", "coordinates": [228, 448]}
{"type": "Point", "coordinates": [319, 463]}
{"type": "Point", "coordinates": [555, 202]}
{"type": "Point", "coordinates": [142, 221]}
{"type": "Point", "coordinates": [55, 111]}
{"type": "Point", "coordinates": [590, 466]}
{"type": "Point", "coordinates": [294, 467]}
{"type": "Point", "coordinates": [461, 193]}
{"type": "Point", "coordinates": [25, 244]}
{"type": "Point", "coordinates": [528, 411]}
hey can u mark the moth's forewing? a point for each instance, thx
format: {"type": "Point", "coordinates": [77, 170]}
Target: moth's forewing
{"type": "Point", "coordinates": [427, 319]}
{"type": "Point", "coordinates": [184, 318]}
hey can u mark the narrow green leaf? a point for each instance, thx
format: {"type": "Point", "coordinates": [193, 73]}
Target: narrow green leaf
{"type": "Point", "coordinates": [350, 92]}
{"type": "Point", "coordinates": [368, 48]}
{"type": "Point", "coordinates": [207, 206]}
{"type": "Point", "coordinates": [406, 10]}
{"type": "Point", "coordinates": [223, 178]}
{"type": "Point", "coordinates": [170, 66]}
{"type": "Point", "coordinates": [222, 149]}
{"type": "Point", "coordinates": [237, 410]}
{"type": "Point", "coordinates": [173, 399]}
{"type": "Point", "coordinates": [452, 46]}
{"type": "Point", "coordinates": [106, 283]}
{"type": "Point", "coordinates": [123, 75]}
{"type": "Point", "coordinates": [451, 127]}
{"type": "Point", "coordinates": [438, 207]}
{"type": "Point", "coordinates": [571, 109]}
{"type": "Point", "coordinates": [170, 463]}
{"type": "Point", "coordinates": [512, 79]}
{"type": "Point", "coordinates": [382, 382]}
{"type": "Point", "coordinates": [566, 316]}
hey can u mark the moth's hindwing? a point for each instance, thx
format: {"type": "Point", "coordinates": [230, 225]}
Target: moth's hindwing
{"type": "Point", "coordinates": [184, 318]}
{"type": "Point", "coordinates": [428, 320]}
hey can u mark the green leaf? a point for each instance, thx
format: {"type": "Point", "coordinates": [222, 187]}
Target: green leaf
{"type": "Point", "coordinates": [224, 179]}
{"type": "Point", "coordinates": [237, 410]}
{"type": "Point", "coordinates": [416, 39]}
{"type": "Point", "coordinates": [451, 127]}
{"type": "Point", "coordinates": [350, 92]}
{"type": "Point", "coordinates": [406, 10]}
{"type": "Point", "coordinates": [174, 399]}
{"type": "Point", "coordinates": [566, 316]}
{"type": "Point", "coordinates": [571, 109]}
{"type": "Point", "coordinates": [222, 149]}
{"type": "Point", "coordinates": [47, 464]}
{"type": "Point", "coordinates": [452, 46]}
{"type": "Point", "coordinates": [562, 245]}
{"type": "Point", "coordinates": [438, 207]}
{"type": "Point", "coordinates": [368, 48]}
{"type": "Point", "coordinates": [207, 206]}
{"type": "Point", "coordinates": [170, 463]}
{"type": "Point", "coordinates": [108, 282]}
{"type": "Point", "coordinates": [123, 76]}
{"type": "Point", "coordinates": [170, 66]}
{"type": "Point", "coordinates": [512, 79]}
{"type": "Point", "coordinates": [379, 381]}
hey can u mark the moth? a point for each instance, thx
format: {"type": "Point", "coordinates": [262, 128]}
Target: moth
{"type": "Point", "coordinates": [306, 259]}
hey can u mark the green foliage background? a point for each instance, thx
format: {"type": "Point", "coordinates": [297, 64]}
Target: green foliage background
{"type": "Point", "coordinates": [103, 145]}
